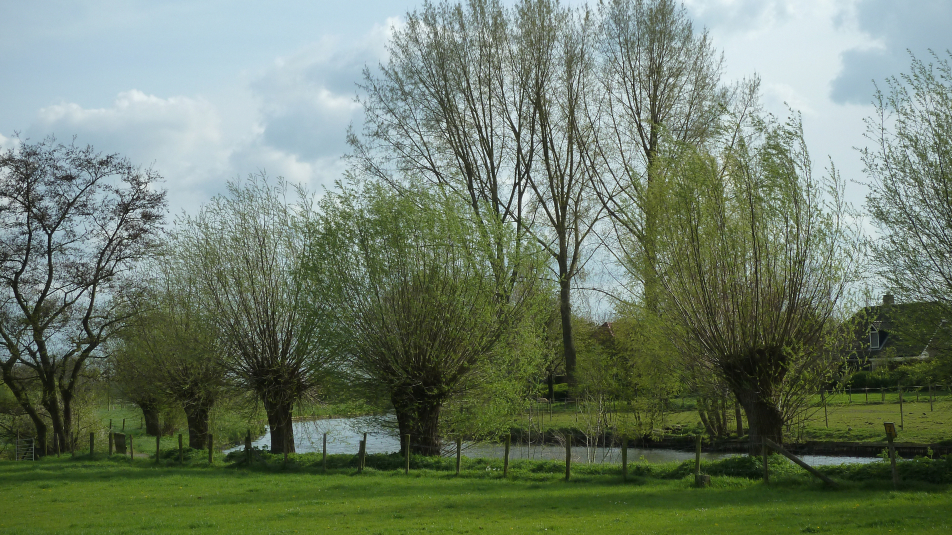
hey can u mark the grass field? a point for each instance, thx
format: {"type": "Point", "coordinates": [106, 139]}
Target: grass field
{"type": "Point", "coordinates": [116, 496]}
{"type": "Point", "coordinates": [849, 420]}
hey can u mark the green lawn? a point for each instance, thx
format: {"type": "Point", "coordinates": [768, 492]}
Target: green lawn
{"type": "Point", "coordinates": [114, 496]}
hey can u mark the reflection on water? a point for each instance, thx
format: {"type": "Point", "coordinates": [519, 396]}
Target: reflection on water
{"type": "Point", "coordinates": [344, 436]}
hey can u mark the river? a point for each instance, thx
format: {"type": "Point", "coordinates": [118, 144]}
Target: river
{"type": "Point", "coordinates": [344, 435]}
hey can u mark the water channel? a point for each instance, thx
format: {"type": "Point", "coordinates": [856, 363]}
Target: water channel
{"type": "Point", "coordinates": [344, 435]}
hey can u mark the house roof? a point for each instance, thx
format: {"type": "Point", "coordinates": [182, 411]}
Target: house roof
{"type": "Point", "coordinates": [904, 329]}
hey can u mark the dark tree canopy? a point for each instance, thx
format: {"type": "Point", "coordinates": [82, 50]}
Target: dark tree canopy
{"type": "Point", "coordinates": [73, 222]}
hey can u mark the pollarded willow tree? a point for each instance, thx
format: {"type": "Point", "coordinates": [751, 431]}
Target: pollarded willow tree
{"type": "Point", "coordinates": [244, 251]}
{"type": "Point", "coordinates": [417, 307]}
{"type": "Point", "coordinates": [168, 352]}
{"type": "Point", "coordinates": [756, 260]}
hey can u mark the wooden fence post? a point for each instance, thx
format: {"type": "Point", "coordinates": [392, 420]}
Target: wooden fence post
{"type": "Point", "coordinates": [901, 419]}
{"type": "Point", "coordinates": [112, 438]}
{"type": "Point", "coordinates": [92, 444]}
{"type": "Point", "coordinates": [324, 454]}
{"type": "Point", "coordinates": [624, 458]}
{"type": "Point", "coordinates": [459, 452]}
{"type": "Point", "coordinates": [568, 458]}
{"type": "Point", "coordinates": [505, 464]}
{"type": "Point", "coordinates": [892, 461]}
{"type": "Point", "coordinates": [211, 448]}
{"type": "Point", "coordinates": [361, 450]}
{"type": "Point", "coordinates": [700, 480]}
{"type": "Point", "coordinates": [123, 425]}
{"type": "Point", "coordinates": [181, 450]}
{"type": "Point", "coordinates": [826, 416]}
{"type": "Point", "coordinates": [697, 455]}
{"type": "Point", "coordinates": [131, 448]}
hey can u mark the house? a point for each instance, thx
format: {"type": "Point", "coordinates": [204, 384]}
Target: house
{"type": "Point", "coordinates": [892, 333]}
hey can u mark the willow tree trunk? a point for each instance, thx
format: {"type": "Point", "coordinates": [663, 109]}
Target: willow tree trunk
{"type": "Point", "coordinates": [752, 378]}
{"type": "Point", "coordinates": [764, 420]}
{"type": "Point", "coordinates": [197, 417]}
{"type": "Point", "coordinates": [419, 418]}
{"type": "Point", "coordinates": [280, 420]}
{"type": "Point", "coordinates": [739, 419]}
{"type": "Point", "coordinates": [150, 414]}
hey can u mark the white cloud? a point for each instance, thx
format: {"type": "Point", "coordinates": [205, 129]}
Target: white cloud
{"type": "Point", "coordinates": [290, 120]}
{"type": "Point", "coordinates": [796, 47]}
{"type": "Point", "coordinates": [894, 30]}
{"type": "Point", "coordinates": [7, 143]}
{"type": "Point", "coordinates": [308, 98]}
{"type": "Point", "coordinates": [181, 137]}
{"type": "Point", "coordinates": [776, 96]}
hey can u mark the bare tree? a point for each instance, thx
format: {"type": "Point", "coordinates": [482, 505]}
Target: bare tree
{"type": "Point", "coordinates": [72, 222]}
{"type": "Point", "coordinates": [755, 259]}
{"type": "Point", "coordinates": [661, 80]}
{"type": "Point", "coordinates": [559, 50]}
{"type": "Point", "coordinates": [244, 251]}
{"type": "Point", "coordinates": [491, 103]}
{"type": "Point", "coordinates": [451, 108]}
{"type": "Point", "coordinates": [419, 310]}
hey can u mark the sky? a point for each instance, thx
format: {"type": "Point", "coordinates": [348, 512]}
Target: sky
{"type": "Point", "coordinates": [209, 90]}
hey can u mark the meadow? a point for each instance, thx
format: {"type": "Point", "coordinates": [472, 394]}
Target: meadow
{"type": "Point", "coordinates": [854, 418]}
{"type": "Point", "coordinates": [116, 495]}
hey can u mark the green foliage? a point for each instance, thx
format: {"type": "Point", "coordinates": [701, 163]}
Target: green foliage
{"type": "Point", "coordinates": [757, 257]}
{"type": "Point", "coordinates": [914, 374]}
{"type": "Point", "coordinates": [432, 308]}
{"type": "Point", "coordinates": [909, 164]}
{"type": "Point", "coordinates": [937, 471]}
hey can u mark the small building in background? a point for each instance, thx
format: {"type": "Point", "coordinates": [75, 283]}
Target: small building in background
{"type": "Point", "coordinates": [891, 334]}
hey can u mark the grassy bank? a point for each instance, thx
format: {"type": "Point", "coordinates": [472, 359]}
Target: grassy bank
{"type": "Point", "coordinates": [116, 496]}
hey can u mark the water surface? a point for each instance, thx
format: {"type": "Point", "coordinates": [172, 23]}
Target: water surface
{"type": "Point", "coordinates": [344, 436]}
